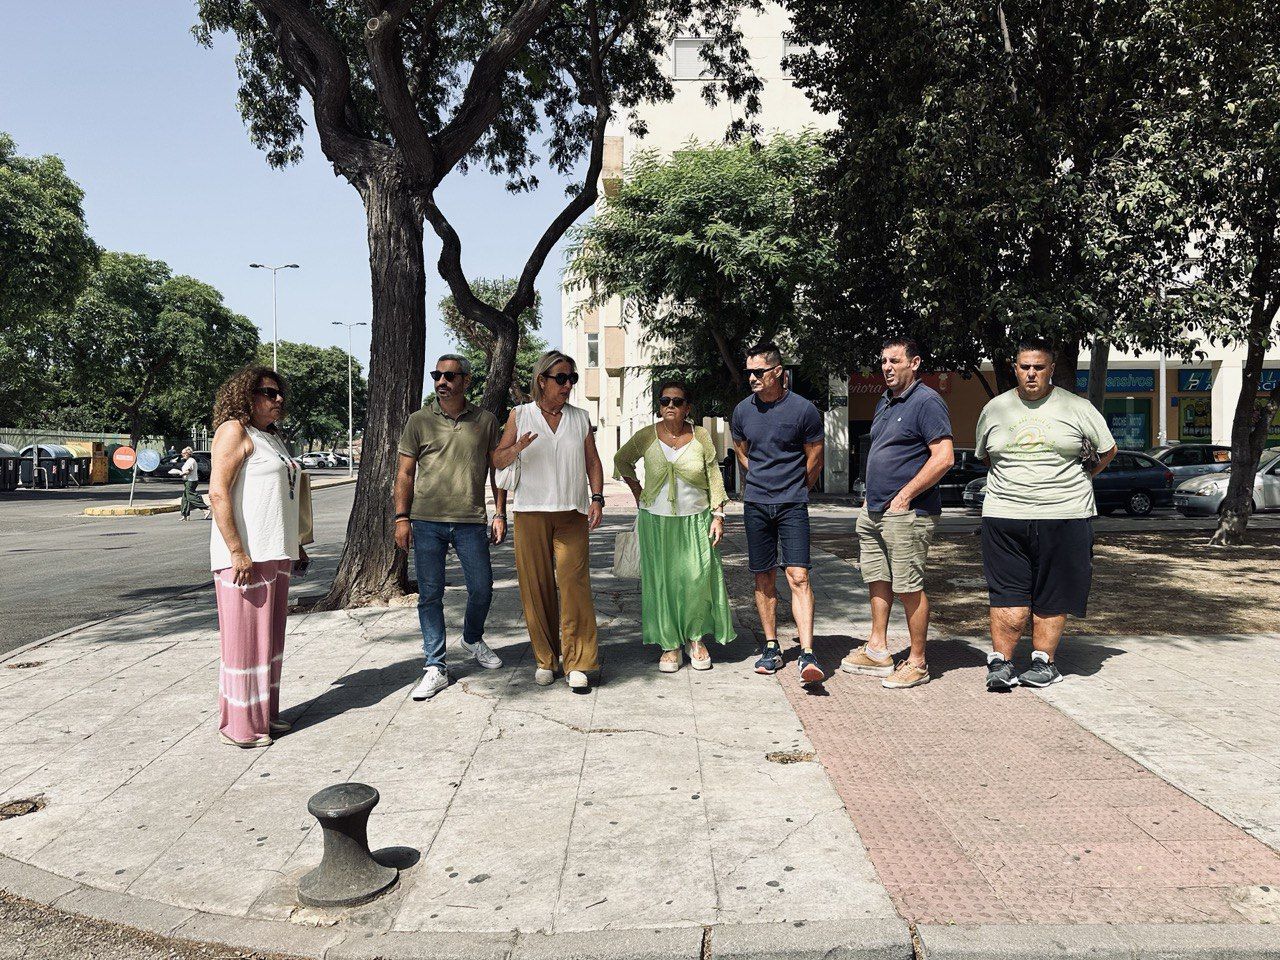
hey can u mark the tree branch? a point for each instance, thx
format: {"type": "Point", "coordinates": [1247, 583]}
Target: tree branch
{"type": "Point", "coordinates": [391, 85]}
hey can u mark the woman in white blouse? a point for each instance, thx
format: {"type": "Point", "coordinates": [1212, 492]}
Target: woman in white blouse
{"type": "Point", "coordinates": [553, 518]}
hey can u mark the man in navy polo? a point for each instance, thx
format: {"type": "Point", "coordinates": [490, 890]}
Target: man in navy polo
{"type": "Point", "coordinates": [911, 450]}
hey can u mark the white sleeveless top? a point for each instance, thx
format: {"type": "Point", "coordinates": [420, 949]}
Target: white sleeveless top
{"type": "Point", "coordinates": [264, 502]}
{"type": "Point", "coordinates": [689, 499]}
{"type": "Point", "coordinates": [553, 469]}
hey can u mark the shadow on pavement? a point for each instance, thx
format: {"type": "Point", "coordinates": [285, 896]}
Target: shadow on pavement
{"type": "Point", "coordinates": [352, 691]}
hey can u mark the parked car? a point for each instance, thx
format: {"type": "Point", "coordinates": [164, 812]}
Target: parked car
{"type": "Point", "coordinates": [313, 461]}
{"type": "Point", "coordinates": [966, 469]}
{"type": "Point", "coordinates": [1132, 481]}
{"type": "Point", "coordinates": [171, 466]}
{"type": "Point", "coordinates": [1188, 460]}
{"type": "Point", "coordinates": [1203, 496]}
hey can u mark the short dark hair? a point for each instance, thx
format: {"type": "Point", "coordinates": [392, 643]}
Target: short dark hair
{"type": "Point", "coordinates": [767, 349]}
{"type": "Point", "coordinates": [906, 343]}
{"type": "Point", "coordinates": [674, 384]}
{"type": "Point", "coordinates": [1036, 345]}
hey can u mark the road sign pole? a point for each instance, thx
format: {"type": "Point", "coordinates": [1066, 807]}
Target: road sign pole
{"type": "Point", "coordinates": [133, 481]}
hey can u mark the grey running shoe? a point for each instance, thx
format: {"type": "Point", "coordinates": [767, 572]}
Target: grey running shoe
{"type": "Point", "coordinates": [1000, 674]}
{"type": "Point", "coordinates": [1041, 674]}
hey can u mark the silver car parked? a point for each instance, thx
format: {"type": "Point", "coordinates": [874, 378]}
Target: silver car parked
{"type": "Point", "coordinates": [1187, 460]}
{"type": "Point", "coordinates": [1202, 496]}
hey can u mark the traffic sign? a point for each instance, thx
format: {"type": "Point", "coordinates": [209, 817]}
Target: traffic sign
{"type": "Point", "coordinates": [148, 460]}
{"type": "Point", "coordinates": [124, 458]}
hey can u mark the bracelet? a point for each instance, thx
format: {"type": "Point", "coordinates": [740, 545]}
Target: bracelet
{"type": "Point", "coordinates": [405, 519]}
{"type": "Point", "coordinates": [718, 515]}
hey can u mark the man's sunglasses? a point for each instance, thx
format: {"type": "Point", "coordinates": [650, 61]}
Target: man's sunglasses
{"type": "Point", "coordinates": [562, 378]}
{"type": "Point", "coordinates": [672, 401]}
{"type": "Point", "coordinates": [449, 375]}
{"type": "Point", "coordinates": [271, 393]}
{"type": "Point", "coordinates": [760, 372]}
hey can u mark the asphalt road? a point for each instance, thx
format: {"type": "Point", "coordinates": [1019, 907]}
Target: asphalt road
{"type": "Point", "coordinates": [59, 568]}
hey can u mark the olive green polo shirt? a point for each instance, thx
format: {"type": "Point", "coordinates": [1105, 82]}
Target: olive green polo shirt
{"type": "Point", "coordinates": [453, 462]}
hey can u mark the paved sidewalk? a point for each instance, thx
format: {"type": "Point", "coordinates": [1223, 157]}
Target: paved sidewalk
{"type": "Point", "coordinates": [982, 809]}
{"type": "Point", "coordinates": [657, 802]}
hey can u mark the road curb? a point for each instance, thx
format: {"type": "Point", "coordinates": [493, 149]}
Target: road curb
{"type": "Point", "coordinates": [1132, 941]}
{"type": "Point", "coordinates": [176, 505]}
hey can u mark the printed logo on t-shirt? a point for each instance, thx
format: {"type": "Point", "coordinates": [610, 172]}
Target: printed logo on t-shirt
{"type": "Point", "coordinates": [1030, 435]}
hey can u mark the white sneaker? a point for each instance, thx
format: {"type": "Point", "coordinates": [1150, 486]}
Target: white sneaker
{"type": "Point", "coordinates": [544, 678]}
{"type": "Point", "coordinates": [484, 656]}
{"type": "Point", "coordinates": [578, 680]}
{"type": "Point", "coordinates": [433, 681]}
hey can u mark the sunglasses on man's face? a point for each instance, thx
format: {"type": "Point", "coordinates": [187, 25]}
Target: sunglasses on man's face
{"type": "Point", "coordinates": [449, 375]}
{"type": "Point", "coordinates": [759, 372]}
{"type": "Point", "coordinates": [271, 393]}
{"type": "Point", "coordinates": [563, 378]}
{"type": "Point", "coordinates": [671, 401]}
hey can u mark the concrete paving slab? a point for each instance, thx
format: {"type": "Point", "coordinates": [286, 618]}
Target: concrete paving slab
{"type": "Point", "coordinates": [669, 944]}
{"type": "Point", "coordinates": [846, 940]}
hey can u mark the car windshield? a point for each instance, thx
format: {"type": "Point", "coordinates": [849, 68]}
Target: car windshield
{"type": "Point", "coordinates": [1268, 458]}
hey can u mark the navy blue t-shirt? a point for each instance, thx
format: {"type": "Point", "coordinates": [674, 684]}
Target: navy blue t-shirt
{"type": "Point", "coordinates": [777, 433]}
{"type": "Point", "coordinates": [901, 432]}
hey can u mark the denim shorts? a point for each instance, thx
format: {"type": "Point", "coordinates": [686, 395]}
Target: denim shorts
{"type": "Point", "coordinates": [777, 535]}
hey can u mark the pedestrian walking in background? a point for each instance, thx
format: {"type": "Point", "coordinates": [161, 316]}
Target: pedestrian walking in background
{"type": "Point", "coordinates": [911, 450]}
{"type": "Point", "coordinates": [190, 481]}
{"type": "Point", "coordinates": [777, 435]}
{"type": "Point", "coordinates": [253, 547]}
{"type": "Point", "coordinates": [439, 503]}
{"type": "Point", "coordinates": [559, 499]}
{"type": "Point", "coordinates": [1043, 445]}
{"type": "Point", "coordinates": [680, 526]}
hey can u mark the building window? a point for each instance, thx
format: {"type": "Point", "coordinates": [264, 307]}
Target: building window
{"type": "Point", "coordinates": [593, 349]}
{"type": "Point", "coordinates": [686, 59]}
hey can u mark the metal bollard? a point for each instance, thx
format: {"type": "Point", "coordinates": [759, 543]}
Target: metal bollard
{"type": "Point", "coordinates": [348, 875]}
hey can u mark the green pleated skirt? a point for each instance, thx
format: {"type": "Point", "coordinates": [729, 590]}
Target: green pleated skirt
{"type": "Point", "coordinates": [683, 596]}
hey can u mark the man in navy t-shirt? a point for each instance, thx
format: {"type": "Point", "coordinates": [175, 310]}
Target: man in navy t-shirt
{"type": "Point", "coordinates": [911, 450]}
{"type": "Point", "coordinates": [777, 435]}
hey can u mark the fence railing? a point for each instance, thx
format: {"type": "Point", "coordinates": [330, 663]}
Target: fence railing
{"type": "Point", "coordinates": [25, 436]}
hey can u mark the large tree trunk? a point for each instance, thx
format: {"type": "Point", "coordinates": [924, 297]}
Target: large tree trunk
{"type": "Point", "coordinates": [502, 365]}
{"type": "Point", "coordinates": [1098, 359]}
{"type": "Point", "coordinates": [1248, 436]}
{"type": "Point", "coordinates": [372, 570]}
{"type": "Point", "coordinates": [1065, 367]}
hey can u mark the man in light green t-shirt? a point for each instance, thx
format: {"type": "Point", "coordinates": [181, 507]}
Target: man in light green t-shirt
{"type": "Point", "coordinates": [1044, 445]}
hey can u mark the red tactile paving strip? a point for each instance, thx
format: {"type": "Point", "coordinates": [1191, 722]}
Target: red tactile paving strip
{"type": "Point", "coordinates": [996, 808]}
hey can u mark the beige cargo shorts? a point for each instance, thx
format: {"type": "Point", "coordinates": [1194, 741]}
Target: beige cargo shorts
{"type": "Point", "coordinates": [893, 547]}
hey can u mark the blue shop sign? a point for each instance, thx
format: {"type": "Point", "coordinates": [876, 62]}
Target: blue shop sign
{"type": "Point", "coordinates": [1270, 377]}
{"type": "Point", "coordinates": [1121, 381]}
{"type": "Point", "coordinates": [1195, 381]}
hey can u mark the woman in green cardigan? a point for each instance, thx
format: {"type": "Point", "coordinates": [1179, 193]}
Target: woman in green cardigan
{"type": "Point", "coordinates": [681, 523]}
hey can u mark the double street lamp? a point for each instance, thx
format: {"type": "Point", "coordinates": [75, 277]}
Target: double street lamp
{"type": "Point", "coordinates": [275, 327]}
{"type": "Point", "coordinates": [351, 453]}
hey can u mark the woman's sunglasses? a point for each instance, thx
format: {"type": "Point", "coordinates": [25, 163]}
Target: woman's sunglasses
{"type": "Point", "coordinates": [449, 375]}
{"type": "Point", "coordinates": [271, 393]}
{"type": "Point", "coordinates": [562, 378]}
{"type": "Point", "coordinates": [672, 401]}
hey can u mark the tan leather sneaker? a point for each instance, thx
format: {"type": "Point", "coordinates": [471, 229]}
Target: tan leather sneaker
{"type": "Point", "coordinates": [906, 676]}
{"type": "Point", "coordinates": [860, 662]}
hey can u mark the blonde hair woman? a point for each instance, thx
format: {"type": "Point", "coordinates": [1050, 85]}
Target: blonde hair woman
{"type": "Point", "coordinates": [253, 493]}
{"type": "Point", "coordinates": [681, 522]}
{"type": "Point", "coordinates": [558, 501]}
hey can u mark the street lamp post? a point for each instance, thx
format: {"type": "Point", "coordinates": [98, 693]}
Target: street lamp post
{"type": "Point", "coordinates": [351, 452]}
{"type": "Point", "coordinates": [275, 327]}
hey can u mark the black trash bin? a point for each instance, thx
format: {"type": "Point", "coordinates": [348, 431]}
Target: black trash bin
{"type": "Point", "coordinates": [9, 460]}
{"type": "Point", "coordinates": [54, 462]}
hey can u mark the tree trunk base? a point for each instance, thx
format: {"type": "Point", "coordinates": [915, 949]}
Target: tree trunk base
{"type": "Point", "coordinates": [1231, 529]}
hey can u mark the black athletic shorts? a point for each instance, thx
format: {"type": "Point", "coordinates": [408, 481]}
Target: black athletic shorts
{"type": "Point", "coordinates": [1046, 565]}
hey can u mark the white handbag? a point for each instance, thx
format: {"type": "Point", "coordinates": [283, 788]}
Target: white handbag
{"type": "Point", "coordinates": [626, 554]}
{"type": "Point", "coordinates": [508, 478]}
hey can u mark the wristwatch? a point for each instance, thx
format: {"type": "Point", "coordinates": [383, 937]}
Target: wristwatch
{"type": "Point", "coordinates": [598, 498]}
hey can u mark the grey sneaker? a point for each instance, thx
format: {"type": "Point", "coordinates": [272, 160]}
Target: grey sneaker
{"type": "Point", "coordinates": [1041, 674]}
{"type": "Point", "coordinates": [1000, 674]}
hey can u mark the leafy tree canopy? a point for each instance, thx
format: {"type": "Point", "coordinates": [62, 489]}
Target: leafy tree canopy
{"type": "Point", "coordinates": [316, 414]}
{"type": "Point", "coordinates": [477, 343]}
{"type": "Point", "coordinates": [709, 254]}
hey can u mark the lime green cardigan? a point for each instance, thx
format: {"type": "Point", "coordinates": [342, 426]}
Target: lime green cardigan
{"type": "Point", "coordinates": [700, 468]}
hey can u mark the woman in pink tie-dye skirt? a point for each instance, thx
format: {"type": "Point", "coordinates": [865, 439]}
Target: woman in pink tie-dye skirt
{"type": "Point", "coordinates": [253, 493]}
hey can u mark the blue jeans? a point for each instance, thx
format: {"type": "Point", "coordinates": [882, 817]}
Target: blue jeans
{"type": "Point", "coordinates": [431, 542]}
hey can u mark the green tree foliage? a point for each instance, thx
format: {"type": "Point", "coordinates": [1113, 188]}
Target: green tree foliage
{"type": "Point", "coordinates": [992, 177]}
{"type": "Point", "coordinates": [1223, 113]}
{"type": "Point", "coordinates": [477, 343]}
{"type": "Point", "coordinates": [148, 349]}
{"type": "Point", "coordinates": [710, 255]}
{"type": "Point", "coordinates": [316, 414]}
{"type": "Point", "coordinates": [45, 258]}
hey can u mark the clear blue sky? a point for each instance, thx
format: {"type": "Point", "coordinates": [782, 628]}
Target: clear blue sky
{"type": "Point", "coordinates": [145, 120]}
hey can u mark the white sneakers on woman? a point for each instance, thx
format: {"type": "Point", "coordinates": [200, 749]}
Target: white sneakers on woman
{"type": "Point", "coordinates": [578, 680]}
{"type": "Point", "coordinates": [544, 678]}
{"type": "Point", "coordinates": [433, 681]}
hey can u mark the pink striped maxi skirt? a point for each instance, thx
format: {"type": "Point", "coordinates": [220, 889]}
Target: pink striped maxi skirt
{"type": "Point", "coordinates": [251, 623]}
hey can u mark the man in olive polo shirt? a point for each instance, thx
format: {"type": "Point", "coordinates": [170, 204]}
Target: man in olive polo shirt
{"type": "Point", "coordinates": [439, 503]}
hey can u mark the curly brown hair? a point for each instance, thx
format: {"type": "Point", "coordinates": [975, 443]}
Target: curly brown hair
{"type": "Point", "coordinates": [235, 397]}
